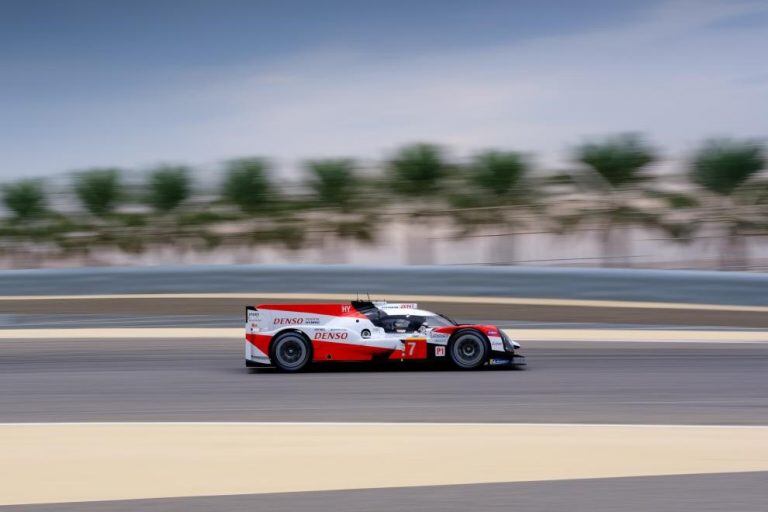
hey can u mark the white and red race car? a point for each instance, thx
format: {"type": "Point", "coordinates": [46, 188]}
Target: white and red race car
{"type": "Point", "coordinates": [293, 336]}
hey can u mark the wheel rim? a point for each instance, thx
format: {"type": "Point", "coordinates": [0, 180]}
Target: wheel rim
{"type": "Point", "coordinates": [291, 352]}
{"type": "Point", "coordinates": [468, 351]}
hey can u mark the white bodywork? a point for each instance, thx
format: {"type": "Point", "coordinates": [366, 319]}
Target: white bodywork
{"type": "Point", "coordinates": [352, 330]}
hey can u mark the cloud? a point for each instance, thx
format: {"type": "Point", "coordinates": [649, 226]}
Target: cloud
{"type": "Point", "coordinates": [668, 74]}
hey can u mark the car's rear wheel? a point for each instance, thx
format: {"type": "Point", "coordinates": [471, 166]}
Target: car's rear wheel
{"type": "Point", "coordinates": [291, 352]}
{"type": "Point", "coordinates": [468, 350]}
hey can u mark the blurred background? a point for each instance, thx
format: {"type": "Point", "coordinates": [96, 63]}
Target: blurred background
{"type": "Point", "coordinates": [597, 133]}
{"type": "Point", "coordinates": [166, 162]}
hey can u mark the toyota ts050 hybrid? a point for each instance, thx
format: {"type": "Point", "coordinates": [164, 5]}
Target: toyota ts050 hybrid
{"type": "Point", "coordinates": [293, 336]}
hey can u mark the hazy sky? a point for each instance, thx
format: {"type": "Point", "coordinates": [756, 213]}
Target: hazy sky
{"type": "Point", "coordinates": [133, 83]}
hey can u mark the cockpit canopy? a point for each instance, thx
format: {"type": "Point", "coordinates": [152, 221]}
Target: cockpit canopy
{"type": "Point", "coordinates": [400, 318]}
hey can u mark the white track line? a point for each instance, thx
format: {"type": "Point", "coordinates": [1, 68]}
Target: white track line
{"type": "Point", "coordinates": [375, 424]}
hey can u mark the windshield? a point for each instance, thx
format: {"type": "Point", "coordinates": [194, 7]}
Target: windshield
{"type": "Point", "coordinates": [438, 320]}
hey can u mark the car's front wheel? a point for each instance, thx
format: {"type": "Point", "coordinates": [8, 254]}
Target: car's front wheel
{"type": "Point", "coordinates": [468, 350]}
{"type": "Point", "coordinates": [291, 352]}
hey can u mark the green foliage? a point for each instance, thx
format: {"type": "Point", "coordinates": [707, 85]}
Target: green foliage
{"type": "Point", "coordinates": [418, 170]}
{"type": "Point", "coordinates": [675, 200]}
{"type": "Point", "coordinates": [131, 220]}
{"type": "Point", "coordinates": [615, 194]}
{"type": "Point", "coordinates": [361, 230]}
{"type": "Point", "coordinates": [497, 189]}
{"type": "Point", "coordinates": [500, 173]}
{"type": "Point", "coordinates": [618, 160]}
{"type": "Point", "coordinates": [168, 188]}
{"type": "Point", "coordinates": [336, 186]}
{"type": "Point", "coordinates": [495, 192]}
{"type": "Point", "coordinates": [246, 185]}
{"type": "Point", "coordinates": [200, 218]}
{"type": "Point", "coordinates": [290, 233]}
{"type": "Point", "coordinates": [99, 190]}
{"type": "Point", "coordinates": [561, 178]}
{"type": "Point", "coordinates": [721, 166]}
{"type": "Point", "coordinates": [333, 182]}
{"type": "Point", "coordinates": [26, 199]}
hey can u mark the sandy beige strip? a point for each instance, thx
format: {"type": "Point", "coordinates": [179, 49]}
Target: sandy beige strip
{"type": "Point", "coordinates": [250, 298]}
{"type": "Point", "coordinates": [523, 335]}
{"type": "Point", "coordinates": [48, 463]}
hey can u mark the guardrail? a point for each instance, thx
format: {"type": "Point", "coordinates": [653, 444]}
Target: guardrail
{"type": "Point", "coordinates": [737, 288]}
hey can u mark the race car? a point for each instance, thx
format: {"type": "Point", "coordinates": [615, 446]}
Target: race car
{"type": "Point", "coordinates": [291, 337]}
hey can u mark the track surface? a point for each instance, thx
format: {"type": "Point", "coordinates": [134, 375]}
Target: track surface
{"type": "Point", "coordinates": [567, 382]}
{"type": "Point", "coordinates": [199, 380]}
{"type": "Point", "coordinates": [742, 492]}
{"type": "Point", "coordinates": [204, 380]}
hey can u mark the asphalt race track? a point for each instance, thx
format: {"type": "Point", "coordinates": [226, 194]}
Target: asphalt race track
{"type": "Point", "coordinates": [204, 380]}
{"type": "Point", "coordinates": [742, 492]}
{"type": "Point", "coordinates": [566, 382]}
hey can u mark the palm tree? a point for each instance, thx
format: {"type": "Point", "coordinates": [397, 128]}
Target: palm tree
{"type": "Point", "coordinates": [34, 229]}
{"type": "Point", "coordinates": [417, 170]}
{"type": "Point", "coordinates": [333, 183]}
{"type": "Point", "coordinates": [166, 189]}
{"type": "Point", "coordinates": [615, 193]}
{"type": "Point", "coordinates": [339, 197]}
{"type": "Point", "coordinates": [417, 173]}
{"type": "Point", "coordinates": [247, 186]}
{"type": "Point", "coordinates": [271, 219]}
{"type": "Point", "coordinates": [497, 191]}
{"type": "Point", "coordinates": [731, 198]}
{"type": "Point", "coordinates": [169, 187]}
{"type": "Point", "coordinates": [99, 190]}
{"type": "Point", "coordinates": [26, 199]}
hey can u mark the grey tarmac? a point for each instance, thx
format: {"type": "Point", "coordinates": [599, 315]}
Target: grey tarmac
{"type": "Point", "coordinates": [205, 380]}
{"type": "Point", "coordinates": [733, 492]}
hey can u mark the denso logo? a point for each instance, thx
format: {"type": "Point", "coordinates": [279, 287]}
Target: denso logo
{"type": "Point", "coordinates": [331, 335]}
{"type": "Point", "coordinates": [288, 321]}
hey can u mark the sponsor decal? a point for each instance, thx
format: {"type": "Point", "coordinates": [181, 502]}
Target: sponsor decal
{"type": "Point", "coordinates": [296, 321]}
{"type": "Point", "coordinates": [331, 335]}
{"type": "Point", "coordinates": [440, 351]}
{"type": "Point", "coordinates": [289, 321]}
{"type": "Point", "coordinates": [499, 361]}
{"type": "Point", "coordinates": [492, 332]}
{"type": "Point", "coordinates": [438, 335]}
{"type": "Point", "coordinates": [346, 308]}
{"type": "Point", "coordinates": [400, 306]}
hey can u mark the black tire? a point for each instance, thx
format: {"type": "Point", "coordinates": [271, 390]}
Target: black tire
{"type": "Point", "coordinates": [291, 352]}
{"type": "Point", "coordinates": [468, 350]}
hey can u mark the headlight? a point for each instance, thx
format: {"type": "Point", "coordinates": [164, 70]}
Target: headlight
{"type": "Point", "coordinates": [509, 345]}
